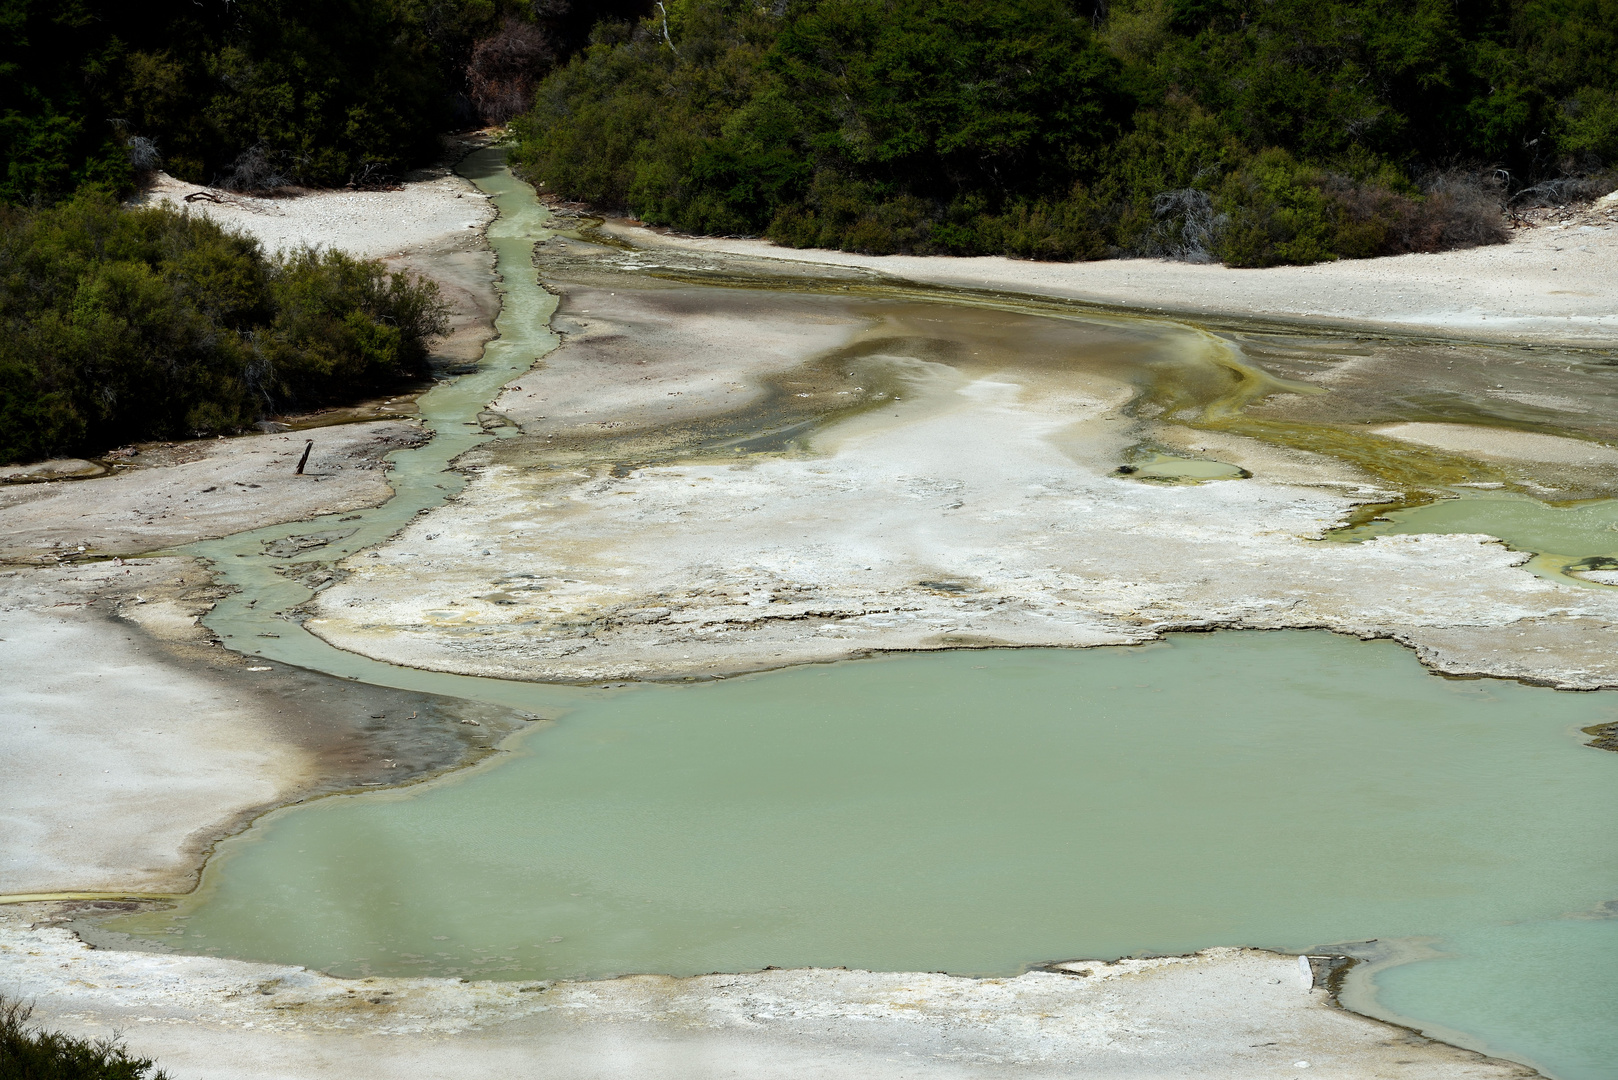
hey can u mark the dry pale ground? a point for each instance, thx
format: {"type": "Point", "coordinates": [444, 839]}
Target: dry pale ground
{"type": "Point", "coordinates": [118, 764]}
{"type": "Point", "coordinates": [977, 503]}
{"type": "Point", "coordinates": [1504, 444]}
{"type": "Point", "coordinates": [1220, 1013]}
{"type": "Point", "coordinates": [129, 741]}
{"type": "Point", "coordinates": [172, 494]}
{"type": "Point", "coordinates": [121, 762]}
{"type": "Point", "coordinates": [1552, 283]}
{"type": "Point", "coordinates": [426, 212]}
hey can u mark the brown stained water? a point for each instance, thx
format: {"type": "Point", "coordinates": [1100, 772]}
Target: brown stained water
{"type": "Point", "coordinates": [973, 812]}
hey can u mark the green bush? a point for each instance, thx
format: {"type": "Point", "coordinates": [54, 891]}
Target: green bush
{"type": "Point", "coordinates": [1589, 122]}
{"type": "Point", "coordinates": [317, 92]}
{"type": "Point", "coordinates": [118, 325]}
{"type": "Point", "coordinates": [1277, 213]}
{"type": "Point", "coordinates": [1289, 131]}
{"type": "Point", "coordinates": [30, 1053]}
{"type": "Point", "coordinates": [867, 125]}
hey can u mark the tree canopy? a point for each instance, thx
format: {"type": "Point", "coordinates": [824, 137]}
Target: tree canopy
{"type": "Point", "coordinates": [320, 93]}
{"type": "Point", "coordinates": [1255, 131]}
{"type": "Point", "coordinates": [260, 93]}
{"type": "Point", "coordinates": [117, 325]}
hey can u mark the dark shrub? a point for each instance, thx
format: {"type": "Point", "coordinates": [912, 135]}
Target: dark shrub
{"type": "Point", "coordinates": [252, 95]}
{"type": "Point", "coordinates": [1283, 132]}
{"type": "Point", "coordinates": [30, 1053]}
{"type": "Point", "coordinates": [118, 325]}
{"type": "Point", "coordinates": [505, 68]}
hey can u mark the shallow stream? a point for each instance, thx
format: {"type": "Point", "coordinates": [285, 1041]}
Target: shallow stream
{"type": "Point", "coordinates": [974, 812]}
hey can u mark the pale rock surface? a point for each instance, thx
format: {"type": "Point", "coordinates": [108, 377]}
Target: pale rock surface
{"type": "Point", "coordinates": [1552, 283]}
{"type": "Point", "coordinates": [1503, 444]}
{"type": "Point", "coordinates": [977, 511]}
{"type": "Point", "coordinates": [130, 742]}
{"type": "Point", "coordinates": [119, 767]}
{"type": "Point", "coordinates": [54, 469]}
{"type": "Point", "coordinates": [1219, 1013]}
{"type": "Point", "coordinates": [212, 487]}
{"type": "Point", "coordinates": [370, 224]}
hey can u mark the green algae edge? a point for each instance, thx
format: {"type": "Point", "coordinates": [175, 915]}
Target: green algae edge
{"type": "Point", "coordinates": [1227, 385]}
{"type": "Point", "coordinates": [123, 897]}
{"type": "Point", "coordinates": [1603, 736]}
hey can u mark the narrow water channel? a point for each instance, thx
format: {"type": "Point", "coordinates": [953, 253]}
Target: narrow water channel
{"type": "Point", "coordinates": [973, 812]}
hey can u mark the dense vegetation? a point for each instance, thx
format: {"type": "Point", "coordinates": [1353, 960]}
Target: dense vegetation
{"type": "Point", "coordinates": [28, 1053]}
{"type": "Point", "coordinates": [259, 93]}
{"type": "Point", "coordinates": [137, 324]}
{"type": "Point", "coordinates": [119, 325]}
{"type": "Point", "coordinates": [1253, 131]}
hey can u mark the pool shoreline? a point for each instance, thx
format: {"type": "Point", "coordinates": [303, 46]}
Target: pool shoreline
{"type": "Point", "coordinates": [1459, 656]}
{"type": "Point", "coordinates": [227, 1018]}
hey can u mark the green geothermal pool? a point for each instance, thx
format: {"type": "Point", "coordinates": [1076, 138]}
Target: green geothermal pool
{"type": "Point", "coordinates": [976, 812]}
{"type": "Point", "coordinates": [1580, 537]}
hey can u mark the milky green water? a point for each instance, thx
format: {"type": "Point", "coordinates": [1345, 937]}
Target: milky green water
{"type": "Point", "coordinates": [972, 812]}
{"type": "Point", "coordinates": [1521, 977]}
{"type": "Point", "coordinates": [1562, 538]}
{"type": "Point", "coordinates": [420, 477]}
{"type": "Point", "coordinates": [1174, 469]}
